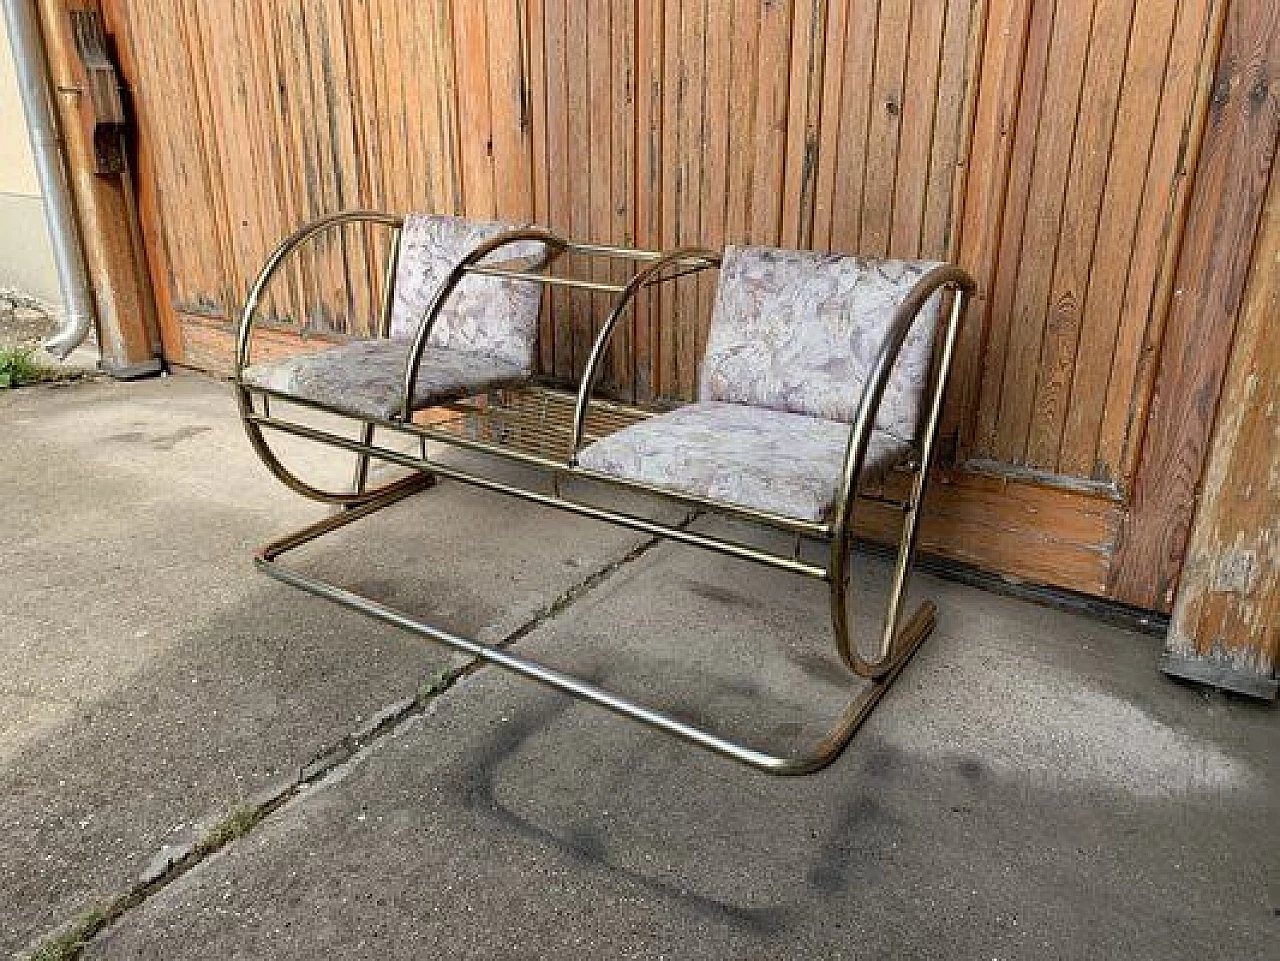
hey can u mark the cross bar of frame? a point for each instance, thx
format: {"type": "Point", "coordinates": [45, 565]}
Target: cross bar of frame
{"type": "Point", "coordinates": [826, 750]}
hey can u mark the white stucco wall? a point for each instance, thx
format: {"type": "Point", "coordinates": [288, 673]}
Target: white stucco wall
{"type": "Point", "coordinates": [26, 261]}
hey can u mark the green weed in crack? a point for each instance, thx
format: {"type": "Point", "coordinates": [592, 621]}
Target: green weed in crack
{"type": "Point", "coordinates": [19, 366]}
{"type": "Point", "coordinates": [68, 945]}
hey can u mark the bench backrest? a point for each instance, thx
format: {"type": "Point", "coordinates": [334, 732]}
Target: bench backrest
{"type": "Point", "coordinates": [800, 331]}
{"type": "Point", "coordinates": [494, 315]}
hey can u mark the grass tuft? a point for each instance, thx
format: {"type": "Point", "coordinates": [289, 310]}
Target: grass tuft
{"type": "Point", "coordinates": [18, 366]}
{"type": "Point", "coordinates": [69, 945]}
{"type": "Point", "coordinates": [433, 685]}
{"type": "Point", "coordinates": [236, 824]}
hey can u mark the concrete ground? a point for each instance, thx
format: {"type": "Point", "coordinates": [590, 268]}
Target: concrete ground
{"type": "Point", "coordinates": [1031, 788]}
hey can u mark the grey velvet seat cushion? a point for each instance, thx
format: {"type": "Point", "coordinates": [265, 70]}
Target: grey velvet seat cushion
{"type": "Point", "coordinates": [365, 377]}
{"type": "Point", "coordinates": [754, 457]}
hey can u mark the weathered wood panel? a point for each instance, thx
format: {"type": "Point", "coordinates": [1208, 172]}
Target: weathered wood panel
{"type": "Point", "coordinates": [1226, 620]}
{"type": "Point", "coordinates": [1046, 146]}
{"type": "Point", "coordinates": [748, 128]}
{"type": "Point", "coordinates": [1234, 168]}
{"type": "Point", "coordinates": [1070, 243]}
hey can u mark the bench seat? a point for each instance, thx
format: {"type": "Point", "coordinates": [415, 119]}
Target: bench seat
{"type": "Point", "coordinates": [753, 457]}
{"type": "Point", "coordinates": [806, 353]}
{"type": "Point", "coordinates": [366, 377]}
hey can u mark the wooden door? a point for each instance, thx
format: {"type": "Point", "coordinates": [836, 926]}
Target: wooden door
{"type": "Point", "coordinates": [1045, 146]}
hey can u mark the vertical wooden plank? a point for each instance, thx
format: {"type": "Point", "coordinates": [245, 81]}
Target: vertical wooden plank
{"type": "Point", "coordinates": [406, 189]}
{"type": "Point", "coordinates": [1082, 206]}
{"type": "Point", "coordinates": [304, 152]}
{"type": "Point", "coordinates": [1053, 156]}
{"type": "Point", "coordinates": [808, 48]}
{"type": "Point", "coordinates": [600, 165]}
{"type": "Point", "coordinates": [288, 306]}
{"type": "Point", "coordinates": [672, 187]}
{"type": "Point", "coordinates": [558, 173]}
{"type": "Point", "coordinates": [770, 129]}
{"type": "Point", "coordinates": [512, 145]}
{"type": "Point", "coordinates": [1003, 44]}
{"type": "Point", "coordinates": [287, 303]}
{"type": "Point", "coordinates": [475, 120]}
{"type": "Point", "coordinates": [1114, 239]}
{"type": "Point", "coordinates": [849, 178]}
{"type": "Point", "coordinates": [1013, 220]}
{"type": "Point", "coordinates": [577, 105]}
{"type": "Point", "coordinates": [828, 132]}
{"type": "Point", "coordinates": [648, 193]}
{"type": "Point", "coordinates": [249, 192]}
{"type": "Point", "coordinates": [622, 196]}
{"type": "Point", "coordinates": [362, 41]}
{"type": "Point", "coordinates": [885, 128]}
{"type": "Point", "coordinates": [364, 100]}
{"type": "Point", "coordinates": [715, 155]}
{"type": "Point", "coordinates": [447, 100]}
{"type": "Point", "coordinates": [418, 127]}
{"type": "Point", "coordinates": [213, 131]}
{"type": "Point", "coordinates": [956, 102]}
{"type": "Point", "coordinates": [743, 106]}
{"type": "Point", "coordinates": [430, 151]}
{"type": "Point", "coordinates": [1183, 107]}
{"type": "Point", "coordinates": [1231, 180]}
{"type": "Point", "coordinates": [341, 112]}
{"type": "Point", "coordinates": [328, 309]}
{"type": "Point", "coordinates": [1226, 619]}
{"type": "Point", "coordinates": [248, 70]}
{"type": "Point", "coordinates": [919, 111]}
{"type": "Point", "coordinates": [303, 156]}
{"type": "Point", "coordinates": [173, 172]}
{"type": "Point", "coordinates": [536, 65]}
{"type": "Point", "coordinates": [691, 101]}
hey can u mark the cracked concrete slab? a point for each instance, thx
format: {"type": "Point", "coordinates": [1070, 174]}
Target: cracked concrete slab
{"type": "Point", "coordinates": [153, 678]}
{"type": "Point", "coordinates": [1031, 788]}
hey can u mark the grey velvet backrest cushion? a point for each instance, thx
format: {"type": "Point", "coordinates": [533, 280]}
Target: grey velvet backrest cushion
{"type": "Point", "coordinates": [492, 315]}
{"type": "Point", "coordinates": [800, 331]}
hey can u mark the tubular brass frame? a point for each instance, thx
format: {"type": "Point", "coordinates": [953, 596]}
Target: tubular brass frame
{"type": "Point", "coordinates": [899, 638]}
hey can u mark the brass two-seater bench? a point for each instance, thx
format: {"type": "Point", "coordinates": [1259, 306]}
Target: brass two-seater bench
{"type": "Point", "coordinates": [818, 369]}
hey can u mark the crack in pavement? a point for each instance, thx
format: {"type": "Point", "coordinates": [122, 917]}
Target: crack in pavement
{"type": "Point", "coordinates": [68, 940]}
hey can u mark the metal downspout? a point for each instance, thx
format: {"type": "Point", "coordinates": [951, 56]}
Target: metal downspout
{"type": "Point", "coordinates": [32, 70]}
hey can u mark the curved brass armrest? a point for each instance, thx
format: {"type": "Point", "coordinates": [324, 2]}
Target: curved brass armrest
{"type": "Point", "coordinates": [904, 318]}
{"type": "Point", "coordinates": [887, 659]}
{"type": "Point", "coordinates": [701, 258]}
{"type": "Point", "coordinates": [278, 256]}
{"type": "Point", "coordinates": [552, 240]}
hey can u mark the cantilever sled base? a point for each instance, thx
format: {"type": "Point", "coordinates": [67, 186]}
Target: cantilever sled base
{"type": "Point", "coordinates": [907, 640]}
{"type": "Point", "coordinates": [864, 289]}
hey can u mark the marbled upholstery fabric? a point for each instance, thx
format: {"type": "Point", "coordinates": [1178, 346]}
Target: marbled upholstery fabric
{"type": "Point", "coordinates": [800, 331]}
{"type": "Point", "coordinates": [492, 315]}
{"type": "Point", "coordinates": [755, 457]}
{"type": "Point", "coordinates": [364, 377]}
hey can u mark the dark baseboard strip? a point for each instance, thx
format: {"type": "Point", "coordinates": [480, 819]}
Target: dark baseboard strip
{"type": "Point", "coordinates": [1110, 612]}
{"type": "Point", "coordinates": [1212, 671]}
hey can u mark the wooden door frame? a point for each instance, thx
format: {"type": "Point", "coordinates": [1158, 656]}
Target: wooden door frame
{"type": "Point", "coordinates": [1221, 220]}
